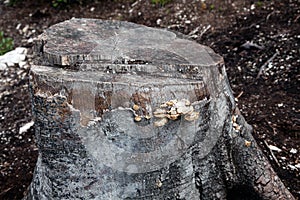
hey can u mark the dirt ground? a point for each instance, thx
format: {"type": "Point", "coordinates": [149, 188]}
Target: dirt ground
{"type": "Point", "coordinates": [259, 40]}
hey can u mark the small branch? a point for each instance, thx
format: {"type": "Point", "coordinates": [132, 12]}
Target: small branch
{"type": "Point", "coordinates": [240, 94]}
{"type": "Point", "coordinates": [192, 34]}
{"type": "Point", "coordinates": [249, 45]}
{"type": "Point", "coordinates": [262, 68]}
{"type": "Point", "coordinates": [204, 30]}
{"type": "Point", "coordinates": [174, 26]}
{"type": "Point", "coordinates": [296, 19]}
{"type": "Point", "coordinates": [236, 99]}
{"type": "Point", "coordinates": [5, 191]}
{"type": "Point", "coordinates": [135, 3]}
{"type": "Point", "coordinates": [272, 154]}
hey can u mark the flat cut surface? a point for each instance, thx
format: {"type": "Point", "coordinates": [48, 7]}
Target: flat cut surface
{"type": "Point", "coordinates": [120, 42]}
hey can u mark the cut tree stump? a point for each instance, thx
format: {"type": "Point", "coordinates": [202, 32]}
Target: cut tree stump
{"type": "Point", "coordinates": [124, 111]}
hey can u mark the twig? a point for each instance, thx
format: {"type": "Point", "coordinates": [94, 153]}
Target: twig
{"type": "Point", "coordinates": [248, 45]}
{"type": "Point", "coordinates": [240, 94]}
{"type": "Point", "coordinates": [193, 32]}
{"type": "Point", "coordinates": [174, 26]}
{"type": "Point", "coordinates": [296, 19]}
{"type": "Point", "coordinates": [262, 68]}
{"type": "Point", "coordinates": [236, 99]}
{"type": "Point", "coordinates": [6, 190]}
{"type": "Point", "coordinates": [134, 4]}
{"type": "Point", "coordinates": [273, 156]}
{"type": "Point", "coordinates": [204, 30]}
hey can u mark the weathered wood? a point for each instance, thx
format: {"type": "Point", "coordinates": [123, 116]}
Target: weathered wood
{"type": "Point", "coordinates": [124, 111]}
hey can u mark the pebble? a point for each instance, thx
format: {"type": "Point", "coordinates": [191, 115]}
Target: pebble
{"type": "Point", "coordinates": [293, 151]}
{"type": "Point", "coordinates": [25, 127]}
{"type": "Point", "coordinates": [16, 56]}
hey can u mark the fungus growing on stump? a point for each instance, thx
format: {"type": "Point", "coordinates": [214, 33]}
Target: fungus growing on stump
{"type": "Point", "coordinates": [124, 111]}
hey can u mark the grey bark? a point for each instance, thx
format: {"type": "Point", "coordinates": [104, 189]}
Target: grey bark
{"type": "Point", "coordinates": [97, 87]}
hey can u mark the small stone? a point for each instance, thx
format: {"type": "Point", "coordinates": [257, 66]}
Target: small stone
{"type": "Point", "coordinates": [294, 151]}
{"type": "Point", "coordinates": [10, 64]}
{"type": "Point", "coordinates": [21, 50]}
{"type": "Point", "coordinates": [22, 64]}
{"type": "Point", "coordinates": [158, 21]}
{"type": "Point", "coordinates": [280, 105]}
{"type": "Point", "coordinates": [25, 127]}
{"type": "Point", "coordinates": [3, 66]}
{"type": "Point", "coordinates": [30, 40]}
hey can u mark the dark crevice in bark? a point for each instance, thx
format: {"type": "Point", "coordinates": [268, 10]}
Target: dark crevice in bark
{"type": "Point", "coordinates": [242, 192]}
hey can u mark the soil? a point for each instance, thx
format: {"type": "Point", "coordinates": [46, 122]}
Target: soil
{"type": "Point", "coordinates": [259, 40]}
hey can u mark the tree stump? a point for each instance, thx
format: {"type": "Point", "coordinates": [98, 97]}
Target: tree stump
{"type": "Point", "coordinates": [124, 111]}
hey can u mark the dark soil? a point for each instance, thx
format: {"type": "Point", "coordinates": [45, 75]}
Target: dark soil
{"type": "Point", "coordinates": [259, 40]}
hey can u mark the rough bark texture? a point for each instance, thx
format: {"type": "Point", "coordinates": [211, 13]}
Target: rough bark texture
{"type": "Point", "coordinates": [109, 100]}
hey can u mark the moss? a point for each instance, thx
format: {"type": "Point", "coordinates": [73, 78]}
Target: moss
{"type": "Point", "coordinates": [6, 44]}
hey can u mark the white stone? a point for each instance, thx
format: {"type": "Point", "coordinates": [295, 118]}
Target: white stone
{"type": "Point", "coordinates": [21, 50]}
{"type": "Point", "coordinates": [25, 127]}
{"type": "Point", "coordinates": [30, 40]}
{"type": "Point", "coordinates": [17, 56]}
{"type": "Point", "coordinates": [10, 64]}
{"type": "Point", "coordinates": [293, 151]}
{"type": "Point", "coordinates": [22, 64]}
{"type": "Point", "coordinates": [3, 66]}
{"type": "Point", "coordinates": [280, 105]}
{"type": "Point", "coordinates": [158, 21]}
{"type": "Point", "coordinates": [14, 58]}
{"type": "Point", "coordinates": [25, 29]}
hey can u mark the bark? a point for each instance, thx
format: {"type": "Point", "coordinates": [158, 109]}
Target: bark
{"type": "Point", "coordinates": [123, 111]}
